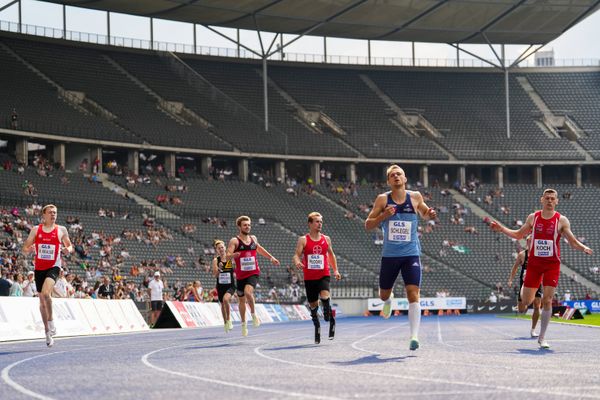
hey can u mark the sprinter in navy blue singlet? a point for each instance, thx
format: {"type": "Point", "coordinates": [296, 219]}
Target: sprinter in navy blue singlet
{"type": "Point", "coordinates": [396, 213]}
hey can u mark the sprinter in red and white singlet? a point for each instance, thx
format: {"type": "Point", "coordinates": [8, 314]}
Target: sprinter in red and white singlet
{"type": "Point", "coordinates": [546, 227]}
{"type": "Point", "coordinates": [314, 255]}
{"type": "Point", "coordinates": [46, 241]}
{"type": "Point", "coordinates": [243, 249]}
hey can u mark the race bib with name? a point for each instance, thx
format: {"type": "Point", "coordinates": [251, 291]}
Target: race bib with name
{"type": "Point", "coordinates": [316, 261]}
{"type": "Point", "coordinates": [247, 263]}
{"type": "Point", "coordinates": [225, 278]}
{"type": "Point", "coordinates": [46, 251]}
{"type": "Point", "coordinates": [543, 248]}
{"type": "Point", "coordinates": [399, 231]}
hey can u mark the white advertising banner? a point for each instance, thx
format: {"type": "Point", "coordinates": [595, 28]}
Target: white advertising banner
{"type": "Point", "coordinates": [20, 317]}
{"type": "Point", "coordinates": [427, 303]}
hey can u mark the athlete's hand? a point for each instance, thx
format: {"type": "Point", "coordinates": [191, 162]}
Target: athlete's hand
{"type": "Point", "coordinates": [431, 213]}
{"type": "Point", "coordinates": [275, 261]}
{"type": "Point", "coordinates": [299, 265]}
{"type": "Point", "coordinates": [67, 250]}
{"type": "Point", "coordinates": [495, 226]}
{"type": "Point", "coordinates": [510, 283]}
{"type": "Point", "coordinates": [338, 276]}
{"type": "Point", "coordinates": [587, 250]}
{"type": "Point", "coordinates": [27, 250]}
{"type": "Point", "coordinates": [389, 211]}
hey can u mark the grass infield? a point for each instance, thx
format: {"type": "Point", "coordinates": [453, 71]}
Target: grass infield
{"type": "Point", "coordinates": [591, 319]}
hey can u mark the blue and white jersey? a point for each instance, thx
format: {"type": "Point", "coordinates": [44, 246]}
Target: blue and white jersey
{"type": "Point", "coordinates": [400, 230]}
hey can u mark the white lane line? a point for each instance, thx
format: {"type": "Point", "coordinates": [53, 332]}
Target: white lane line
{"type": "Point", "coordinates": [19, 388]}
{"type": "Point", "coordinates": [147, 363]}
{"type": "Point", "coordinates": [542, 390]}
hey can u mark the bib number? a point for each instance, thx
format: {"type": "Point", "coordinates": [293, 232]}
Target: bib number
{"type": "Point", "coordinates": [46, 251]}
{"type": "Point", "coordinates": [399, 231]}
{"type": "Point", "coordinates": [316, 261]}
{"type": "Point", "coordinates": [225, 278]}
{"type": "Point", "coordinates": [543, 248]}
{"type": "Point", "coordinates": [247, 263]}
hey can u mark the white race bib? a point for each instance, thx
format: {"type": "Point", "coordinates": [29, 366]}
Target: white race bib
{"type": "Point", "coordinates": [247, 263]}
{"type": "Point", "coordinates": [225, 278]}
{"type": "Point", "coordinates": [543, 248]}
{"type": "Point", "coordinates": [46, 251]}
{"type": "Point", "coordinates": [399, 231]}
{"type": "Point", "coordinates": [316, 261]}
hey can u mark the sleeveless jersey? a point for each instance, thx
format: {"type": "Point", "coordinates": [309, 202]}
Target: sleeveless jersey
{"type": "Point", "coordinates": [247, 263]}
{"type": "Point", "coordinates": [545, 240]}
{"type": "Point", "coordinates": [400, 230]}
{"type": "Point", "coordinates": [315, 260]}
{"type": "Point", "coordinates": [225, 277]}
{"type": "Point", "coordinates": [47, 249]}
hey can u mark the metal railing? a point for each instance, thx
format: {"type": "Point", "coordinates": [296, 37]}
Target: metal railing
{"type": "Point", "coordinates": [95, 38]}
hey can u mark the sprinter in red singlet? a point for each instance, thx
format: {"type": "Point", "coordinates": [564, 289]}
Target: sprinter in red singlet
{"type": "Point", "coordinates": [243, 249]}
{"type": "Point", "coordinates": [47, 240]}
{"type": "Point", "coordinates": [546, 227]}
{"type": "Point", "coordinates": [318, 257]}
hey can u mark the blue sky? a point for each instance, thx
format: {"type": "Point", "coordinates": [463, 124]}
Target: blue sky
{"type": "Point", "coordinates": [577, 43]}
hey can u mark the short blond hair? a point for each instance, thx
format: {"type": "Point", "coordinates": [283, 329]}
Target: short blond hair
{"type": "Point", "coordinates": [218, 242]}
{"type": "Point", "coordinates": [550, 190]}
{"type": "Point", "coordinates": [47, 206]}
{"type": "Point", "coordinates": [390, 168]}
{"type": "Point", "coordinates": [241, 219]}
{"type": "Point", "coordinates": [313, 215]}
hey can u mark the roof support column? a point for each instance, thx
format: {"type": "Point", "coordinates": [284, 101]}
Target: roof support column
{"type": "Point", "coordinates": [500, 176]}
{"type": "Point", "coordinates": [324, 49]}
{"type": "Point", "coordinates": [265, 93]}
{"type": "Point", "coordinates": [195, 40]}
{"type": "Point", "coordinates": [369, 50]}
{"type": "Point", "coordinates": [413, 54]}
{"type": "Point", "coordinates": [108, 27]}
{"type": "Point", "coordinates": [578, 176]}
{"type": "Point", "coordinates": [538, 177]}
{"type": "Point", "coordinates": [20, 17]}
{"type": "Point", "coordinates": [425, 175]}
{"type": "Point", "coordinates": [64, 10]}
{"type": "Point", "coordinates": [238, 41]}
{"type": "Point", "coordinates": [506, 92]}
{"type": "Point", "coordinates": [151, 33]}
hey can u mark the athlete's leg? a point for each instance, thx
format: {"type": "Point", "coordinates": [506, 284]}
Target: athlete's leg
{"type": "Point", "coordinates": [46, 310]}
{"type": "Point", "coordinates": [327, 313]}
{"type": "Point", "coordinates": [537, 303]}
{"type": "Point", "coordinates": [527, 297]}
{"type": "Point", "coordinates": [226, 306]}
{"type": "Point", "coordinates": [546, 314]}
{"type": "Point", "coordinates": [390, 268]}
{"type": "Point", "coordinates": [414, 314]}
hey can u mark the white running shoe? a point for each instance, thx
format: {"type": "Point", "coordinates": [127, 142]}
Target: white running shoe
{"type": "Point", "coordinates": [49, 339]}
{"type": "Point", "coordinates": [255, 321]}
{"type": "Point", "coordinates": [543, 344]}
{"type": "Point", "coordinates": [244, 329]}
{"type": "Point", "coordinates": [534, 334]}
{"type": "Point", "coordinates": [387, 307]}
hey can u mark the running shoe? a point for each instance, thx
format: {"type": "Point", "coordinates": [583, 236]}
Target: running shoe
{"type": "Point", "coordinates": [244, 329]}
{"type": "Point", "coordinates": [414, 344]}
{"type": "Point", "coordinates": [49, 339]}
{"type": "Point", "coordinates": [387, 307]}
{"type": "Point", "coordinates": [255, 321]}
{"type": "Point", "coordinates": [534, 334]}
{"type": "Point", "coordinates": [226, 327]}
{"type": "Point", "coordinates": [543, 344]}
{"type": "Point", "coordinates": [51, 328]}
{"type": "Point", "coordinates": [230, 324]}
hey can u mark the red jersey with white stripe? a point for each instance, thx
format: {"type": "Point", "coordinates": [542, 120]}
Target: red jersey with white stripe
{"type": "Point", "coordinates": [47, 249]}
{"type": "Point", "coordinates": [247, 263]}
{"type": "Point", "coordinates": [545, 240]}
{"type": "Point", "coordinates": [315, 261]}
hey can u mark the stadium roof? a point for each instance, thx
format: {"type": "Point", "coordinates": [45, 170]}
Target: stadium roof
{"type": "Point", "coordinates": [439, 21]}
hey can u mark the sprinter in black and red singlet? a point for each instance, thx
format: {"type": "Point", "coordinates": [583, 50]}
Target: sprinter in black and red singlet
{"type": "Point", "coordinates": [223, 271]}
{"type": "Point", "coordinates": [243, 249]}
{"type": "Point", "coordinates": [47, 240]}
{"type": "Point", "coordinates": [316, 262]}
{"type": "Point", "coordinates": [543, 265]}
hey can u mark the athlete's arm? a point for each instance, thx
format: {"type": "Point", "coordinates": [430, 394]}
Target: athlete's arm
{"type": "Point", "coordinates": [424, 211]}
{"type": "Point", "coordinates": [298, 253]}
{"type": "Point", "coordinates": [28, 245]}
{"type": "Point", "coordinates": [514, 233]}
{"type": "Point", "coordinates": [513, 271]}
{"type": "Point", "coordinates": [379, 213]}
{"type": "Point", "coordinates": [565, 229]}
{"type": "Point", "coordinates": [333, 259]}
{"type": "Point", "coordinates": [263, 252]}
{"type": "Point", "coordinates": [215, 267]}
{"type": "Point", "coordinates": [233, 243]}
{"type": "Point", "coordinates": [67, 245]}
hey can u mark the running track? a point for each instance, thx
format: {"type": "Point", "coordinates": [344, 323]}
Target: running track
{"type": "Point", "coordinates": [479, 357]}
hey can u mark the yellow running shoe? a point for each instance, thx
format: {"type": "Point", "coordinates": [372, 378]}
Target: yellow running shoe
{"type": "Point", "coordinates": [244, 329]}
{"type": "Point", "coordinates": [255, 321]}
{"type": "Point", "coordinates": [387, 307]}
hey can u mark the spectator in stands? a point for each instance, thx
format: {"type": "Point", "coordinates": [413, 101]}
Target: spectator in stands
{"type": "Point", "coordinates": [196, 292]}
{"type": "Point", "coordinates": [14, 119]}
{"type": "Point", "coordinates": [155, 289]}
{"type": "Point", "coordinates": [60, 287]}
{"type": "Point", "coordinates": [29, 285]}
{"type": "Point", "coordinates": [567, 295]}
{"type": "Point", "coordinates": [17, 287]}
{"type": "Point", "coordinates": [107, 289]}
{"type": "Point", "coordinates": [5, 284]}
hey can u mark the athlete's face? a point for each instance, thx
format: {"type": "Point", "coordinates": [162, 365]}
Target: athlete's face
{"type": "Point", "coordinates": [549, 201]}
{"type": "Point", "coordinates": [245, 227]}
{"type": "Point", "coordinates": [316, 225]}
{"type": "Point", "coordinates": [396, 177]}
{"type": "Point", "coordinates": [50, 215]}
{"type": "Point", "coordinates": [221, 248]}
